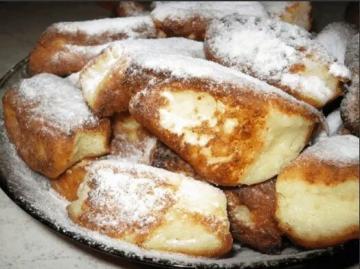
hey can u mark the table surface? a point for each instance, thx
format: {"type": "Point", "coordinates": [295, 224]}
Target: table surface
{"type": "Point", "coordinates": [25, 242]}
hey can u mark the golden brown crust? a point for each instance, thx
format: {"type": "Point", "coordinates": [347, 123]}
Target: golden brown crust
{"type": "Point", "coordinates": [317, 197]}
{"type": "Point", "coordinates": [132, 8]}
{"type": "Point", "coordinates": [54, 57]}
{"type": "Point", "coordinates": [68, 183]}
{"type": "Point", "coordinates": [194, 28]}
{"type": "Point", "coordinates": [294, 69]}
{"type": "Point", "coordinates": [246, 137]}
{"type": "Point", "coordinates": [163, 157]}
{"type": "Point", "coordinates": [261, 231]}
{"type": "Point", "coordinates": [49, 153]}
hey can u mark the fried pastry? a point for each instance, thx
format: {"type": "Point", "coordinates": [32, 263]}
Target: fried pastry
{"type": "Point", "coordinates": [279, 53]}
{"type": "Point", "coordinates": [109, 81]}
{"type": "Point", "coordinates": [294, 12]}
{"type": "Point", "coordinates": [133, 142]}
{"type": "Point", "coordinates": [349, 106]}
{"type": "Point", "coordinates": [335, 37]}
{"type": "Point", "coordinates": [51, 126]}
{"type": "Point", "coordinates": [153, 208]}
{"type": "Point", "coordinates": [190, 19]}
{"type": "Point", "coordinates": [66, 47]}
{"type": "Point", "coordinates": [132, 8]}
{"type": "Point", "coordinates": [317, 195]}
{"type": "Point", "coordinates": [68, 182]}
{"type": "Point", "coordinates": [252, 216]}
{"type": "Point", "coordinates": [231, 128]}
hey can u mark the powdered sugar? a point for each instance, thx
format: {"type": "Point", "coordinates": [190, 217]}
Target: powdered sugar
{"type": "Point", "coordinates": [339, 149]}
{"type": "Point", "coordinates": [125, 196]}
{"type": "Point", "coordinates": [133, 27]}
{"type": "Point", "coordinates": [55, 101]}
{"type": "Point", "coordinates": [93, 74]}
{"type": "Point", "coordinates": [33, 192]}
{"type": "Point", "coordinates": [334, 123]}
{"type": "Point", "coordinates": [334, 37]}
{"type": "Point", "coordinates": [205, 9]}
{"type": "Point", "coordinates": [188, 68]}
{"type": "Point", "coordinates": [311, 85]}
{"type": "Point", "coordinates": [276, 8]}
{"type": "Point", "coordinates": [269, 50]}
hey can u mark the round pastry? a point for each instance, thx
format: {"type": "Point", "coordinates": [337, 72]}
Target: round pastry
{"type": "Point", "coordinates": [317, 195]}
{"type": "Point", "coordinates": [349, 106]}
{"type": "Point", "coordinates": [251, 212]}
{"type": "Point", "coordinates": [282, 54]}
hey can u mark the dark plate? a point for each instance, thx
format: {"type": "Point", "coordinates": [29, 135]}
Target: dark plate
{"type": "Point", "coordinates": [33, 194]}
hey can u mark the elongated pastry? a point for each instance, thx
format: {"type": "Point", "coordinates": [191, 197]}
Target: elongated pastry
{"type": "Point", "coordinates": [131, 142]}
{"type": "Point", "coordinates": [190, 19]}
{"type": "Point", "coordinates": [349, 106]}
{"type": "Point", "coordinates": [51, 126]}
{"type": "Point", "coordinates": [66, 47]}
{"type": "Point", "coordinates": [294, 12]}
{"type": "Point", "coordinates": [153, 208]}
{"type": "Point", "coordinates": [317, 195]}
{"type": "Point", "coordinates": [231, 128]}
{"type": "Point", "coordinates": [252, 216]}
{"type": "Point", "coordinates": [109, 81]}
{"type": "Point", "coordinates": [282, 54]}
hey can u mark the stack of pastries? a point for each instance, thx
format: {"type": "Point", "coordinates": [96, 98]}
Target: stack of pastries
{"type": "Point", "coordinates": [183, 146]}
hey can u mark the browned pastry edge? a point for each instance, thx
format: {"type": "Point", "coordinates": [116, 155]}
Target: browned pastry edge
{"type": "Point", "coordinates": [262, 233]}
{"type": "Point", "coordinates": [49, 153]}
{"type": "Point", "coordinates": [323, 173]}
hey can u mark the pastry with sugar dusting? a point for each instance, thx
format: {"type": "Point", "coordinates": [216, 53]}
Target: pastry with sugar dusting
{"type": "Point", "coordinates": [130, 142]}
{"type": "Point", "coordinates": [317, 195]}
{"type": "Point", "coordinates": [109, 80]}
{"type": "Point", "coordinates": [251, 212]}
{"type": "Point", "coordinates": [231, 128]}
{"type": "Point", "coordinates": [153, 208]}
{"type": "Point", "coordinates": [133, 8]}
{"type": "Point", "coordinates": [335, 38]}
{"type": "Point", "coordinates": [294, 12]}
{"type": "Point", "coordinates": [51, 126]}
{"type": "Point", "coordinates": [349, 106]}
{"type": "Point", "coordinates": [282, 54]}
{"type": "Point", "coordinates": [190, 19]}
{"type": "Point", "coordinates": [66, 47]}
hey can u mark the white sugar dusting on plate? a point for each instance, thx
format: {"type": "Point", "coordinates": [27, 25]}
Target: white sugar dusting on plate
{"type": "Point", "coordinates": [56, 101]}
